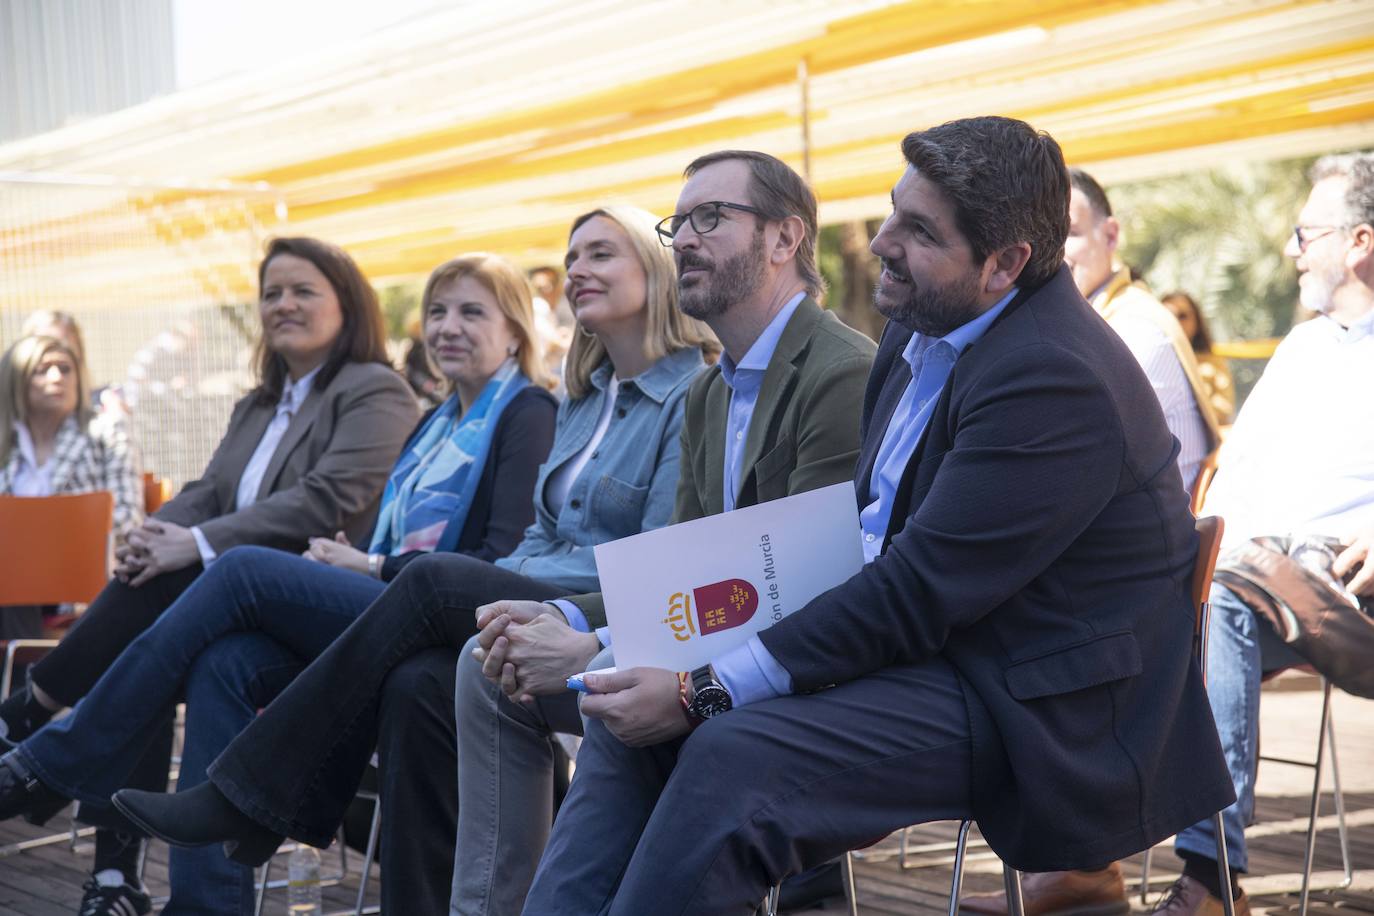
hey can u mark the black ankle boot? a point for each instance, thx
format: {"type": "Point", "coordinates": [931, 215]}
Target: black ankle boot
{"type": "Point", "coordinates": [21, 792]}
{"type": "Point", "coordinates": [23, 715]}
{"type": "Point", "coordinates": [199, 817]}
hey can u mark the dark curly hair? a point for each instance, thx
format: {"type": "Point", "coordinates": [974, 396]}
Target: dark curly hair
{"type": "Point", "coordinates": [1007, 183]}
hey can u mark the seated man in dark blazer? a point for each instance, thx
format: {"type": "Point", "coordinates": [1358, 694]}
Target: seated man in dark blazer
{"type": "Point", "coordinates": [1017, 648]}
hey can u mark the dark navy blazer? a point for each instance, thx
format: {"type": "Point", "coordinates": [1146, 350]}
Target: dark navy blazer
{"type": "Point", "coordinates": [1041, 542]}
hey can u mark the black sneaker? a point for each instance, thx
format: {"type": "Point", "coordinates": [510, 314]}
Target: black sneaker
{"type": "Point", "coordinates": [113, 900]}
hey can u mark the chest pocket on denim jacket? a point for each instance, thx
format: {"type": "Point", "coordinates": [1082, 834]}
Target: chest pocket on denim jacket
{"type": "Point", "coordinates": [773, 470]}
{"type": "Point", "coordinates": [618, 507]}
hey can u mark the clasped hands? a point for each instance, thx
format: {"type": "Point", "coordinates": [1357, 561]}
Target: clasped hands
{"type": "Point", "coordinates": [154, 548]}
{"type": "Point", "coordinates": [529, 650]}
{"type": "Point", "coordinates": [338, 552]}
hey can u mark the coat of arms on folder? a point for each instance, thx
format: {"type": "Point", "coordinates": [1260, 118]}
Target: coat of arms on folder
{"type": "Point", "coordinates": [719, 606]}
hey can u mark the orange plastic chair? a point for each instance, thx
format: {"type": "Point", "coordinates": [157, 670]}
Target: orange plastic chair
{"type": "Point", "coordinates": [54, 549]}
{"type": "Point", "coordinates": [156, 491]}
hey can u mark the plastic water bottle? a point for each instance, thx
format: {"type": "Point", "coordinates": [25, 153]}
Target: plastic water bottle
{"type": "Point", "coordinates": [303, 881]}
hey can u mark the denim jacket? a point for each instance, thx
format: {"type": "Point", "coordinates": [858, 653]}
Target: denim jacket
{"type": "Point", "coordinates": [627, 486]}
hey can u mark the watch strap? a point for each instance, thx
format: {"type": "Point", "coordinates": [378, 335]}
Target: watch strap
{"type": "Point", "coordinates": [684, 696]}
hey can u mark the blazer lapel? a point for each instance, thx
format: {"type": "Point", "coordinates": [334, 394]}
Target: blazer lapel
{"type": "Point", "coordinates": [939, 418]}
{"type": "Point", "coordinates": [11, 469]}
{"type": "Point", "coordinates": [777, 381]}
{"type": "Point", "coordinates": [898, 377]}
{"type": "Point", "coordinates": [241, 440]}
{"type": "Point", "coordinates": [300, 424]}
{"type": "Point", "coordinates": [65, 454]}
{"type": "Point", "coordinates": [713, 484]}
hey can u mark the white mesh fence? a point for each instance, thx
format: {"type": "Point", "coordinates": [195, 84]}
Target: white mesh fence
{"type": "Point", "coordinates": [162, 281]}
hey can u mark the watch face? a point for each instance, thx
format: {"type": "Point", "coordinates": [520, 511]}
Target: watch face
{"type": "Point", "coordinates": [711, 700]}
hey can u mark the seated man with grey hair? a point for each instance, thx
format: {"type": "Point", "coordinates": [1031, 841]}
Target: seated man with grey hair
{"type": "Point", "coordinates": [1298, 467]}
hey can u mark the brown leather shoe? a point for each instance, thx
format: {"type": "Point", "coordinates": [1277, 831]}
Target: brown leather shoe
{"type": "Point", "coordinates": [1188, 897]}
{"type": "Point", "coordinates": [1060, 893]}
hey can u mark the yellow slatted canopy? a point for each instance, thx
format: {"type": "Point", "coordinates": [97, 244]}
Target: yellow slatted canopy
{"type": "Point", "coordinates": [492, 125]}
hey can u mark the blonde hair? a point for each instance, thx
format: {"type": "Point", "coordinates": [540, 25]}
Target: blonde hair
{"type": "Point", "coordinates": [17, 367]}
{"type": "Point", "coordinates": [38, 322]}
{"type": "Point", "coordinates": [667, 328]}
{"type": "Point", "coordinates": [512, 293]}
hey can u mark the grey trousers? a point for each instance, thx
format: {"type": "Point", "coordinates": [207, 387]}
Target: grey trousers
{"type": "Point", "coordinates": [505, 789]}
{"type": "Point", "coordinates": [707, 823]}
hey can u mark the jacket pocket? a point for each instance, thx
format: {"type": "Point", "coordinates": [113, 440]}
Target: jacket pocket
{"type": "Point", "coordinates": [618, 508]}
{"type": "Point", "coordinates": [1103, 660]}
{"type": "Point", "coordinates": [772, 471]}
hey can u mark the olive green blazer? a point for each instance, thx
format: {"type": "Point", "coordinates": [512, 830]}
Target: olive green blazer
{"type": "Point", "coordinates": [803, 435]}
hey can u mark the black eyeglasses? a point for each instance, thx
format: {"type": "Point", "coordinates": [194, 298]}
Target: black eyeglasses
{"type": "Point", "coordinates": [1306, 235]}
{"type": "Point", "coordinates": [704, 217]}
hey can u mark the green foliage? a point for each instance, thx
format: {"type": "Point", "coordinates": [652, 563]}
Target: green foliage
{"type": "Point", "coordinates": [400, 303]}
{"type": "Point", "coordinates": [1219, 235]}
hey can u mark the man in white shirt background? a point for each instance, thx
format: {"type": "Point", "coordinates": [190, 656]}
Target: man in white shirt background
{"type": "Point", "coordinates": [1299, 462]}
{"type": "Point", "coordinates": [1148, 328]}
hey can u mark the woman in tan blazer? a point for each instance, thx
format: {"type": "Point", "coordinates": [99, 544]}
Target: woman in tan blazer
{"type": "Point", "coordinates": [307, 453]}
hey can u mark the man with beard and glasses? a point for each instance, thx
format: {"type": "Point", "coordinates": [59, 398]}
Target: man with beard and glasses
{"type": "Point", "coordinates": [777, 416]}
{"type": "Point", "coordinates": [1029, 548]}
{"type": "Point", "coordinates": [1150, 330]}
{"type": "Point", "coordinates": [1294, 479]}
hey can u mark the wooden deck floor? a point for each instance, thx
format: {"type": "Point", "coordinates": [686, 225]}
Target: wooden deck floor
{"type": "Point", "coordinates": [47, 881]}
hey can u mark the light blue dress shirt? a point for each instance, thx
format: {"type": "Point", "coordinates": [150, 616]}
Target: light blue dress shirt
{"type": "Point", "coordinates": [750, 672]}
{"type": "Point", "coordinates": [745, 380]}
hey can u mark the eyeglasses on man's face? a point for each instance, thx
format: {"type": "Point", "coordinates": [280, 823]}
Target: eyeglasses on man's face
{"type": "Point", "coordinates": [1306, 235]}
{"type": "Point", "coordinates": [704, 217]}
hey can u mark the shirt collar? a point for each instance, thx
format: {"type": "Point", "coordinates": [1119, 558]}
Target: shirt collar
{"type": "Point", "coordinates": [962, 337]}
{"type": "Point", "coordinates": [1362, 328]}
{"type": "Point", "coordinates": [659, 380]}
{"type": "Point", "coordinates": [760, 354]}
{"type": "Point", "coordinates": [293, 395]}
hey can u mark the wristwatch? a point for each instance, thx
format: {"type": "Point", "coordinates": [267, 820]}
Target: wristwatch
{"type": "Point", "coordinates": [709, 696]}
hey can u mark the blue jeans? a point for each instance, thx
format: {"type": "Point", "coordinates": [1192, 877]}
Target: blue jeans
{"type": "Point", "coordinates": [1240, 648]}
{"type": "Point", "coordinates": [300, 604]}
{"type": "Point", "coordinates": [231, 680]}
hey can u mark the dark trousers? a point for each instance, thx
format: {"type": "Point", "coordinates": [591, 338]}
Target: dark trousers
{"type": "Point", "coordinates": [297, 766]}
{"type": "Point", "coordinates": [417, 753]}
{"type": "Point", "coordinates": [117, 616]}
{"type": "Point", "coordinates": [707, 823]}
{"type": "Point", "coordinates": [113, 620]}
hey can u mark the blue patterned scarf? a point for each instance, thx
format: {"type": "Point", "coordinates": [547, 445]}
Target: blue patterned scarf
{"type": "Point", "coordinates": [435, 481]}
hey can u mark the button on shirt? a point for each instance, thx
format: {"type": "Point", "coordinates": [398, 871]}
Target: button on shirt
{"type": "Point", "coordinates": [291, 399]}
{"type": "Point", "coordinates": [745, 380]}
{"type": "Point", "coordinates": [1300, 458]}
{"type": "Point", "coordinates": [749, 671]}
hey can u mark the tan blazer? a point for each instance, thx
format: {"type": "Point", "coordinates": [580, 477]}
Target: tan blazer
{"type": "Point", "coordinates": [326, 474]}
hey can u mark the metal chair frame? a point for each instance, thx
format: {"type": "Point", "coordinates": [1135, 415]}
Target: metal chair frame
{"type": "Point", "coordinates": [1326, 735]}
{"type": "Point", "coordinates": [12, 649]}
{"type": "Point", "coordinates": [266, 883]}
